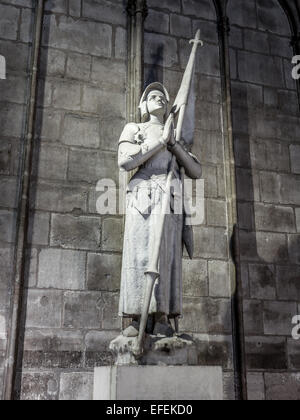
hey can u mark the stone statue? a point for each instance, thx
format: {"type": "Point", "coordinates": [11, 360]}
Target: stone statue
{"type": "Point", "coordinates": [151, 287]}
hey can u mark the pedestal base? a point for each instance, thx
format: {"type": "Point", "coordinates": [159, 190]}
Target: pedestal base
{"type": "Point", "coordinates": [158, 383]}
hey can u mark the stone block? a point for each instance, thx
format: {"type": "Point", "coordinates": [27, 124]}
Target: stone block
{"type": "Point", "coordinates": [101, 166]}
{"type": "Point", "coordinates": [192, 7]}
{"type": "Point", "coordinates": [60, 198]}
{"type": "Point", "coordinates": [269, 154]}
{"type": "Point", "coordinates": [9, 22]}
{"type": "Point", "coordinates": [248, 246]}
{"type": "Point", "coordinates": [158, 383]}
{"type": "Point", "coordinates": [260, 69]}
{"type": "Point", "coordinates": [41, 386]}
{"type": "Point", "coordinates": [208, 146]}
{"type": "Point", "coordinates": [267, 353]}
{"type": "Point", "coordinates": [290, 83]}
{"type": "Point", "coordinates": [79, 67]}
{"type": "Point", "coordinates": [272, 18]}
{"type": "Point", "coordinates": [61, 269]}
{"type": "Point", "coordinates": [109, 106]}
{"type": "Point", "coordinates": [52, 62]}
{"type": "Point", "coordinates": [6, 263]}
{"type": "Point", "coordinates": [169, 5]}
{"type": "Point", "coordinates": [282, 386]}
{"type": "Point", "coordinates": [51, 162]}
{"type": "Point", "coordinates": [208, 29]}
{"type": "Point", "coordinates": [76, 386]}
{"type": "Point", "coordinates": [103, 272]}
{"type": "Point", "coordinates": [288, 280]}
{"type": "Point", "coordinates": [280, 46]}
{"type": "Point", "coordinates": [8, 192]}
{"type": "Point", "coordinates": [236, 37]}
{"type": "Point", "coordinates": [195, 277]}
{"type": "Point", "coordinates": [246, 95]}
{"type": "Point", "coordinates": [72, 34]}
{"type": "Point", "coordinates": [11, 120]}
{"type": "Point", "coordinates": [14, 89]}
{"type": "Point", "coordinates": [295, 158]}
{"type": "Point", "coordinates": [242, 14]}
{"type": "Point", "coordinates": [298, 219]}
{"type": "Point", "coordinates": [16, 54]}
{"type": "Point", "coordinates": [246, 216]}
{"type": "Point", "coordinates": [216, 213]}
{"type": "Point", "coordinates": [112, 234]}
{"type": "Point", "coordinates": [110, 309]}
{"type": "Point", "coordinates": [262, 281]}
{"type": "Point", "coordinates": [160, 50]}
{"type": "Point", "coordinates": [48, 123]}
{"type": "Point", "coordinates": [253, 317]}
{"type": "Point", "coordinates": [66, 95]}
{"type": "Point", "coordinates": [213, 350]}
{"type": "Point", "coordinates": [44, 93]}
{"type": "Point", "coordinates": [181, 26]}
{"type": "Point", "coordinates": [209, 89]}
{"type": "Point", "coordinates": [75, 232]}
{"type": "Point", "coordinates": [110, 131]}
{"type": "Point", "coordinates": [83, 310]}
{"type": "Point", "coordinates": [206, 315]}
{"type": "Point", "coordinates": [293, 354]}
{"type": "Point", "coordinates": [105, 10]}
{"type": "Point", "coordinates": [31, 265]}
{"type": "Point", "coordinates": [26, 28]}
{"type": "Point", "coordinates": [274, 218]}
{"type": "Point", "coordinates": [247, 185]}
{"type": "Point", "coordinates": [157, 22]}
{"type": "Point", "coordinates": [6, 150]}
{"type": "Point", "coordinates": [294, 248]}
{"type": "Point", "coordinates": [75, 8]}
{"type": "Point", "coordinates": [209, 174]}
{"type": "Point", "coordinates": [44, 309]}
{"type": "Point", "coordinates": [256, 41]}
{"type": "Point", "coordinates": [288, 102]}
{"type": "Point", "coordinates": [39, 227]}
{"type": "Point", "coordinates": [110, 76]}
{"type": "Point", "coordinates": [256, 387]}
{"type": "Point", "coordinates": [211, 242]}
{"type": "Point", "coordinates": [121, 44]}
{"type": "Point", "coordinates": [81, 131]}
{"type": "Point", "coordinates": [97, 348]}
{"type": "Point", "coordinates": [219, 279]}
{"type": "Point", "coordinates": [272, 247]}
{"type": "Point", "coordinates": [7, 225]}
{"type": "Point", "coordinates": [278, 317]}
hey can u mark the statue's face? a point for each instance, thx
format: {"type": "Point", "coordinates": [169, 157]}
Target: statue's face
{"type": "Point", "coordinates": [156, 103]}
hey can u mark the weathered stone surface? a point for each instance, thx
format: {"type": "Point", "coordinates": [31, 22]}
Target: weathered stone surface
{"type": "Point", "coordinates": [206, 315]}
{"type": "Point", "coordinates": [207, 62]}
{"type": "Point", "coordinates": [266, 353]}
{"type": "Point", "coordinates": [60, 197]}
{"type": "Point", "coordinates": [256, 387]}
{"type": "Point", "coordinates": [75, 8]}
{"type": "Point", "coordinates": [16, 55]}
{"type": "Point", "coordinates": [256, 41]}
{"type": "Point", "coordinates": [195, 277]}
{"type": "Point", "coordinates": [278, 317]}
{"type": "Point", "coordinates": [295, 158]}
{"type": "Point", "coordinates": [107, 105]}
{"type": "Point", "coordinates": [192, 7]}
{"type": "Point", "coordinates": [272, 247]}
{"type": "Point", "coordinates": [14, 89]}
{"type": "Point", "coordinates": [293, 354]}
{"type": "Point", "coordinates": [260, 69]}
{"type": "Point", "coordinates": [210, 242]}
{"type": "Point", "coordinates": [160, 50]}
{"type": "Point", "coordinates": [56, 6]}
{"type": "Point", "coordinates": [61, 269]}
{"type": "Point", "coordinates": [121, 44]}
{"type": "Point", "coordinates": [81, 131]}
{"type": "Point", "coordinates": [246, 95]}
{"type": "Point", "coordinates": [253, 317]}
{"type": "Point", "coordinates": [44, 309]}
{"type": "Point", "coordinates": [39, 226]}
{"type": "Point", "coordinates": [76, 386]}
{"type": "Point", "coordinates": [112, 234]}
{"type": "Point", "coordinates": [282, 386]}
{"type": "Point", "coordinates": [48, 123]}
{"type": "Point", "coordinates": [40, 386]}
{"type": "Point", "coordinates": [248, 246]}
{"type": "Point", "coordinates": [287, 101]}
{"type": "Point", "coordinates": [209, 174]}
{"type": "Point", "coordinates": [269, 154]}
{"type": "Point", "coordinates": [68, 33]}
{"type": "Point", "coordinates": [288, 281]}
{"type": "Point", "coordinates": [157, 22]}
{"type": "Point", "coordinates": [52, 62]}
{"type": "Point", "coordinates": [11, 120]}
{"type": "Point", "coordinates": [214, 350]}
{"type": "Point", "coordinates": [51, 162]}
{"type": "Point", "coordinates": [8, 192]}
{"type": "Point", "coordinates": [271, 17]}
{"type": "Point", "coordinates": [246, 216]}
{"type": "Point", "coordinates": [169, 5]}
{"type": "Point", "coordinates": [105, 10]}
{"type": "Point", "coordinates": [242, 14]}
{"type": "Point", "coordinates": [7, 225]}
{"type": "Point", "coordinates": [9, 22]}
{"type": "Point", "coordinates": [298, 219]}
{"type": "Point", "coordinates": [79, 67]}
{"type": "Point", "coordinates": [247, 185]}
{"type": "Point", "coordinates": [294, 248]}
{"type": "Point", "coordinates": [103, 272]}
{"type": "Point", "coordinates": [209, 146]}
{"type": "Point", "coordinates": [83, 310]}
{"type": "Point", "coordinates": [75, 232]}
{"type": "Point", "coordinates": [181, 26]}
{"type": "Point", "coordinates": [216, 213]}
{"type": "Point", "coordinates": [110, 76]}
{"type": "Point", "coordinates": [97, 348]}
{"type": "Point", "coordinates": [219, 282]}
{"type": "Point", "coordinates": [262, 281]}
{"type": "Point", "coordinates": [67, 96]}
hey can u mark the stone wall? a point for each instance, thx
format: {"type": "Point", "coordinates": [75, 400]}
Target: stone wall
{"type": "Point", "coordinates": [266, 133]}
{"type": "Point", "coordinates": [74, 254]}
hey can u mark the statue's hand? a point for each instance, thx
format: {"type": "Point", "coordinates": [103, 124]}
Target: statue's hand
{"type": "Point", "coordinates": [168, 136]}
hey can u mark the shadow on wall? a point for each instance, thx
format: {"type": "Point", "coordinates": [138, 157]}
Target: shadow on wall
{"type": "Point", "coordinates": [43, 64]}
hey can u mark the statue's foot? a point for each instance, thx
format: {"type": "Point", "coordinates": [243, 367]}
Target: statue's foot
{"type": "Point", "coordinates": [132, 330]}
{"type": "Point", "coordinates": [163, 329]}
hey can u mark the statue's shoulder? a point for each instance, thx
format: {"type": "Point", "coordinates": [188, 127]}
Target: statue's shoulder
{"type": "Point", "coordinates": [129, 131]}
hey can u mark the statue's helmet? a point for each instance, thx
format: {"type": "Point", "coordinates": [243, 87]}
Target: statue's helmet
{"type": "Point", "coordinates": [143, 102]}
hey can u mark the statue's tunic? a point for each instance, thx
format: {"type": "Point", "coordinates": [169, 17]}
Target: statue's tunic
{"type": "Point", "coordinates": [144, 198]}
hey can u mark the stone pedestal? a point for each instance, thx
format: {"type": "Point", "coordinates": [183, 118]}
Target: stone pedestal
{"type": "Point", "coordinates": [158, 383]}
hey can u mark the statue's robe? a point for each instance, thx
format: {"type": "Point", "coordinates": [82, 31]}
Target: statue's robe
{"type": "Point", "coordinates": [144, 197]}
